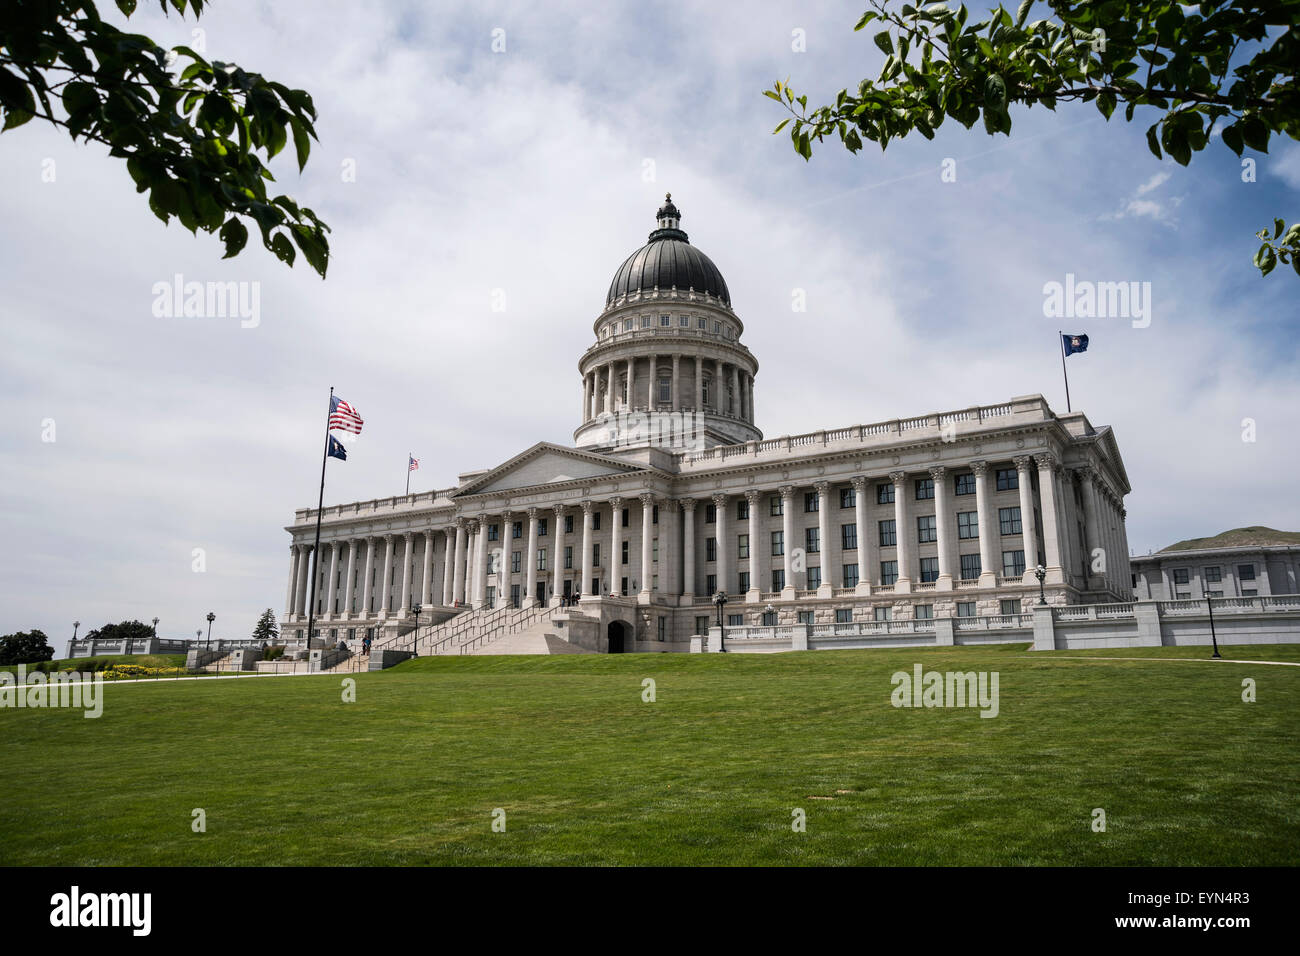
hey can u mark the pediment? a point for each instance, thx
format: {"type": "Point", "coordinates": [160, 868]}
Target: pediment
{"type": "Point", "coordinates": [547, 464]}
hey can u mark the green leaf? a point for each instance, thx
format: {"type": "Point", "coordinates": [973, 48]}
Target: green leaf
{"type": "Point", "coordinates": [1022, 14]}
{"type": "Point", "coordinates": [283, 248]}
{"type": "Point", "coordinates": [1153, 143]}
{"type": "Point", "coordinates": [301, 141]}
{"type": "Point", "coordinates": [780, 126]}
{"type": "Point", "coordinates": [1278, 226]}
{"type": "Point", "coordinates": [234, 234]}
{"type": "Point", "coordinates": [1232, 138]}
{"type": "Point", "coordinates": [1254, 133]}
{"type": "Point", "coordinates": [885, 42]}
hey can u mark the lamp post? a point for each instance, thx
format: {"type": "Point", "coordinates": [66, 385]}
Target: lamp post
{"type": "Point", "coordinates": [769, 610]}
{"type": "Point", "coordinates": [75, 625]}
{"type": "Point", "coordinates": [1040, 572]}
{"type": "Point", "coordinates": [211, 617]}
{"type": "Point", "coordinates": [155, 630]}
{"type": "Point", "coordinates": [720, 599]}
{"type": "Point", "coordinates": [1209, 603]}
{"type": "Point", "coordinates": [415, 642]}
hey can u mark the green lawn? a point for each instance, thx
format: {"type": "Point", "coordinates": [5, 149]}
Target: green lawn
{"type": "Point", "coordinates": [587, 772]}
{"type": "Point", "coordinates": [91, 663]}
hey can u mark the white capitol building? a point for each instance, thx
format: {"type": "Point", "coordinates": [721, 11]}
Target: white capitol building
{"type": "Point", "coordinates": [671, 494]}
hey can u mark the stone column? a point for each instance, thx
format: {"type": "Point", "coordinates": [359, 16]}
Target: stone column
{"type": "Point", "coordinates": [334, 573]}
{"type": "Point", "coordinates": [481, 562]}
{"type": "Point", "coordinates": [903, 533]}
{"type": "Point", "coordinates": [751, 399]}
{"type": "Point", "coordinates": [688, 551]}
{"type": "Point", "coordinates": [304, 562]}
{"type": "Point", "coordinates": [1028, 528]}
{"type": "Point", "coordinates": [719, 389]}
{"type": "Point", "coordinates": [507, 542]}
{"type": "Point", "coordinates": [823, 489]}
{"type": "Point", "coordinates": [408, 552]}
{"type": "Point", "coordinates": [1051, 537]}
{"type": "Point", "coordinates": [787, 533]}
{"type": "Point", "coordinates": [293, 579]}
{"type": "Point", "coordinates": [426, 582]}
{"type": "Point", "coordinates": [652, 376]}
{"type": "Point", "coordinates": [867, 563]}
{"type": "Point", "coordinates": [557, 569]}
{"type": "Point", "coordinates": [350, 578]}
{"type": "Point", "coordinates": [720, 533]}
{"type": "Point", "coordinates": [585, 564]}
{"type": "Point", "coordinates": [735, 393]}
{"type": "Point", "coordinates": [670, 556]}
{"type": "Point", "coordinates": [988, 562]}
{"type": "Point", "coordinates": [677, 382]}
{"type": "Point", "coordinates": [943, 526]}
{"type": "Point", "coordinates": [385, 593]}
{"type": "Point", "coordinates": [367, 577]}
{"type": "Point", "coordinates": [530, 559]}
{"type": "Point", "coordinates": [586, 397]}
{"type": "Point", "coordinates": [647, 551]}
{"type": "Point", "coordinates": [458, 563]}
{"type": "Point", "coordinates": [699, 384]}
{"type": "Point", "coordinates": [616, 546]}
{"type": "Point", "coordinates": [757, 565]}
{"type": "Point", "coordinates": [631, 383]}
{"type": "Point", "coordinates": [609, 389]}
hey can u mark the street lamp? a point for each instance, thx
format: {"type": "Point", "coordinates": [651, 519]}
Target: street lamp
{"type": "Point", "coordinates": [75, 625]}
{"type": "Point", "coordinates": [720, 599]}
{"type": "Point", "coordinates": [1209, 603]}
{"type": "Point", "coordinates": [1040, 572]}
{"type": "Point", "coordinates": [415, 642]}
{"type": "Point", "coordinates": [211, 617]}
{"type": "Point", "coordinates": [769, 610]}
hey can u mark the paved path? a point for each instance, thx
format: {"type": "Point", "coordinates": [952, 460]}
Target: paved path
{"type": "Point", "coordinates": [1181, 660]}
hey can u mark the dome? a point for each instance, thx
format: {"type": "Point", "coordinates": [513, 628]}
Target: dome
{"type": "Point", "coordinates": [668, 260]}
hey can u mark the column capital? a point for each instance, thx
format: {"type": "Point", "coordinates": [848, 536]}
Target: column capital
{"type": "Point", "coordinates": [588, 506]}
{"type": "Point", "coordinates": [719, 499]}
{"type": "Point", "coordinates": [688, 504]}
{"type": "Point", "coordinates": [408, 535]}
{"type": "Point", "coordinates": [1045, 462]}
{"type": "Point", "coordinates": [822, 488]}
{"type": "Point", "coordinates": [647, 499]}
{"type": "Point", "coordinates": [897, 476]}
{"type": "Point", "coordinates": [786, 492]}
{"type": "Point", "coordinates": [980, 467]}
{"type": "Point", "coordinates": [859, 483]}
{"type": "Point", "coordinates": [1022, 463]}
{"type": "Point", "coordinates": [669, 505]}
{"type": "Point", "coordinates": [938, 472]}
{"type": "Point", "coordinates": [532, 513]}
{"type": "Point", "coordinates": [754, 496]}
{"type": "Point", "coordinates": [616, 502]}
{"type": "Point", "coordinates": [560, 510]}
{"type": "Point", "coordinates": [461, 522]}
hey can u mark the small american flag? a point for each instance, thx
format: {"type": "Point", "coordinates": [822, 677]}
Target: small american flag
{"type": "Point", "coordinates": [343, 416]}
{"type": "Point", "coordinates": [412, 463]}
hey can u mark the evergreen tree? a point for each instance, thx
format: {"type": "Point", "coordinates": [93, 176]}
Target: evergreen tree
{"type": "Point", "coordinates": [267, 630]}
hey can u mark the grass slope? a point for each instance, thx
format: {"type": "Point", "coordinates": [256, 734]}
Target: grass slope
{"type": "Point", "coordinates": [708, 774]}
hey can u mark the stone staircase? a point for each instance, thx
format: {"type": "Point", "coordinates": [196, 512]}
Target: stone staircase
{"type": "Point", "coordinates": [502, 630]}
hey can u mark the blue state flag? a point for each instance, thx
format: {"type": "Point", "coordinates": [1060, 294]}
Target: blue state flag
{"type": "Point", "coordinates": [336, 449]}
{"type": "Point", "coordinates": [1074, 343]}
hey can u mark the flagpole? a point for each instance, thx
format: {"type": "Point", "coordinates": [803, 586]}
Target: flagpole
{"type": "Point", "coordinates": [1060, 338]}
{"type": "Point", "coordinates": [320, 507]}
{"type": "Point", "coordinates": [408, 472]}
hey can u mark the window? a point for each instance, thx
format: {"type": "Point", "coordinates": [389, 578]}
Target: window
{"type": "Point", "coordinates": [627, 325]}
{"type": "Point", "coordinates": [626, 546]}
{"type": "Point", "coordinates": [844, 615]}
{"type": "Point", "coordinates": [778, 543]}
{"type": "Point", "coordinates": [665, 321]}
{"type": "Point", "coordinates": [541, 527]}
{"type": "Point", "coordinates": [742, 509]}
{"type": "Point", "coordinates": [968, 524]}
{"type": "Point", "coordinates": [717, 327]}
{"type": "Point", "coordinates": [970, 567]}
{"type": "Point", "coordinates": [704, 388]}
{"type": "Point", "coordinates": [515, 557]}
{"type": "Point", "coordinates": [1013, 563]}
{"type": "Point", "coordinates": [814, 577]}
{"type": "Point", "coordinates": [811, 502]}
{"type": "Point", "coordinates": [924, 612]}
{"type": "Point", "coordinates": [541, 559]}
{"type": "Point", "coordinates": [568, 557]}
{"type": "Point", "coordinates": [684, 321]}
{"type": "Point", "coordinates": [1009, 520]}
{"type": "Point", "coordinates": [888, 537]}
{"type": "Point", "coordinates": [624, 516]}
{"type": "Point", "coordinates": [1009, 606]}
{"type": "Point", "coordinates": [595, 555]}
{"type": "Point", "coordinates": [812, 540]}
{"type": "Point", "coordinates": [926, 529]}
{"type": "Point", "coordinates": [924, 488]}
{"type": "Point", "coordinates": [849, 537]}
{"type": "Point", "coordinates": [1214, 594]}
{"type": "Point", "coordinates": [965, 608]}
{"type": "Point", "coordinates": [710, 514]}
{"type": "Point", "coordinates": [1008, 479]}
{"type": "Point", "coordinates": [778, 579]}
{"type": "Point", "coordinates": [735, 620]}
{"type": "Point", "coordinates": [881, 613]}
{"type": "Point", "coordinates": [850, 575]}
{"type": "Point", "coordinates": [888, 572]}
{"type": "Point", "coordinates": [595, 521]}
{"type": "Point", "coordinates": [492, 532]}
{"type": "Point", "coordinates": [1214, 574]}
{"type": "Point", "coordinates": [1181, 576]}
{"type": "Point", "coordinates": [491, 595]}
{"type": "Point", "coordinates": [665, 390]}
{"type": "Point", "coordinates": [775, 506]}
{"type": "Point", "coordinates": [966, 484]}
{"type": "Point", "coordinates": [701, 624]}
{"type": "Point", "coordinates": [929, 569]}
{"type": "Point", "coordinates": [1182, 595]}
{"type": "Point", "coordinates": [622, 586]}
{"type": "Point", "coordinates": [663, 621]}
{"type": "Point", "coordinates": [1245, 572]}
{"type": "Point", "coordinates": [645, 321]}
{"type": "Point", "coordinates": [654, 515]}
{"type": "Point", "coordinates": [805, 617]}
{"type": "Point", "coordinates": [1249, 592]}
{"type": "Point", "coordinates": [514, 595]}
{"type": "Point", "coordinates": [702, 324]}
{"type": "Point", "coordinates": [848, 498]}
{"type": "Point", "coordinates": [885, 494]}
{"type": "Point", "coordinates": [710, 549]}
{"type": "Point", "coordinates": [654, 549]}
{"type": "Point", "coordinates": [517, 529]}
{"type": "Point", "coordinates": [743, 583]}
{"type": "Point", "coordinates": [742, 546]}
{"type": "Point", "coordinates": [568, 524]}
{"type": "Point", "coordinates": [710, 584]}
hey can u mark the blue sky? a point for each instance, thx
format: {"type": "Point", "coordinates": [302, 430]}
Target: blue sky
{"type": "Point", "coordinates": [525, 171]}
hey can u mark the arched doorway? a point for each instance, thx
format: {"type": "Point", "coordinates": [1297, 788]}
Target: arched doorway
{"type": "Point", "coordinates": [617, 644]}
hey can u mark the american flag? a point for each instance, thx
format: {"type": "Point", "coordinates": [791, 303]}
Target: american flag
{"type": "Point", "coordinates": [413, 463]}
{"type": "Point", "coordinates": [343, 416]}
